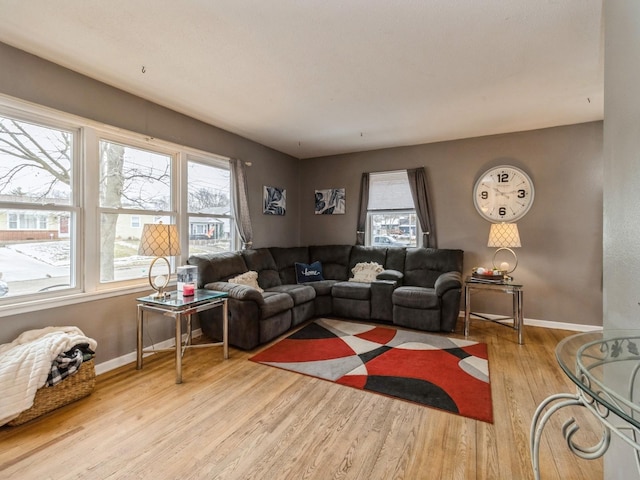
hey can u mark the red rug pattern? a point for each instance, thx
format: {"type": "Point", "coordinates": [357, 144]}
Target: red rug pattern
{"type": "Point", "coordinates": [436, 371]}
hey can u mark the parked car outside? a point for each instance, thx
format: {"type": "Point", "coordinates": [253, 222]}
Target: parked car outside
{"type": "Point", "coordinates": [387, 241]}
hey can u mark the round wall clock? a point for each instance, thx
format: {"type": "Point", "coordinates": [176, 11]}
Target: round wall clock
{"type": "Point", "coordinates": [503, 194]}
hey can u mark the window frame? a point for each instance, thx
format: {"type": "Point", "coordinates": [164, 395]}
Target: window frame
{"type": "Point", "coordinates": [216, 162]}
{"type": "Point", "coordinates": [369, 235]}
{"type": "Point", "coordinates": [45, 119]}
{"type": "Point", "coordinates": [171, 214]}
{"type": "Point", "coordinates": [84, 205]}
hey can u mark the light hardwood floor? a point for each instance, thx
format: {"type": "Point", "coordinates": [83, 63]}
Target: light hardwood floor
{"type": "Point", "coordinates": [236, 419]}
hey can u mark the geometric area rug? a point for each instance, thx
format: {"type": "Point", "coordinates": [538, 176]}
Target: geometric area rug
{"type": "Point", "coordinates": [432, 370]}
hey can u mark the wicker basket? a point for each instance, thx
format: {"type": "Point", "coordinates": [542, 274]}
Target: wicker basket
{"type": "Point", "coordinates": [72, 388]}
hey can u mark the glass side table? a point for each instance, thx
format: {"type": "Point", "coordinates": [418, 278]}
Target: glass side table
{"type": "Point", "coordinates": [604, 366]}
{"type": "Point", "coordinates": [471, 285]}
{"type": "Point", "coordinates": [177, 306]}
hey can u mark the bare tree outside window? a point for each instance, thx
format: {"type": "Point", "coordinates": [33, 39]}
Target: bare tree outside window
{"type": "Point", "coordinates": [138, 181]}
{"type": "Point", "coordinates": [40, 207]}
{"type": "Point", "coordinates": [35, 172]}
{"type": "Point", "coordinates": [36, 162]}
{"type": "Point", "coordinates": [36, 169]}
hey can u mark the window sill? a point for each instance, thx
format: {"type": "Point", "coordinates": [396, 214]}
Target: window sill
{"type": "Point", "coordinates": [28, 306]}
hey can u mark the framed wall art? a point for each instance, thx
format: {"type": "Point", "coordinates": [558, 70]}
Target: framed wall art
{"type": "Point", "coordinates": [274, 201]}
{"type": "Point", "coordinates": [330, 201]}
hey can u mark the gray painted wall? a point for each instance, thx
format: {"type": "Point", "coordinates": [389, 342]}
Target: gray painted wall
{"type": "Point", "coordinates": [621, 191]}
{"type": "Point", "coordinates": [560, 262]}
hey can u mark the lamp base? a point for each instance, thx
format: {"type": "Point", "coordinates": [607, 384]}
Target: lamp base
{"type": "Point", "coordinates": [160, 282]}
{"type": "Point", "coordinates": [160, 295]}
{"type": "Point", "coordinates": [512, 253]}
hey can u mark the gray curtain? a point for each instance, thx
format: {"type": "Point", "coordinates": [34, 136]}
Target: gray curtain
{"type": "Point", "coordinates": [241, 202]}
{"type": "Point", "coordinates": [418, 185]}
{"type": "Point", "coordinates": [364, 205]}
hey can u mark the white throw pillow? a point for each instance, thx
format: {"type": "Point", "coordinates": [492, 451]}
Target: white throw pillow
{"type": "Point", "coordinates": [250, 279]}
{"type": "Point", "coordinates": [365, 272]}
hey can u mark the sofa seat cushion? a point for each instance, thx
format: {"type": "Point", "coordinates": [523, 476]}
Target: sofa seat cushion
{"type": "Point", "coordinates": [299, 293]}
{"type": "Point", "coordinates": [274, 303]}
{"type": "Point", "coordinates": [415, 297]}
{"type": "Point", "coordinates": [352, 290]}
{"type": "Point", "coordinates": [323, 287]}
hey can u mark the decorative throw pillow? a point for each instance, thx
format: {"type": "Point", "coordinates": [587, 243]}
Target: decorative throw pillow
{"type": "Point", "coordinates": [309, 273]}
{"type": "Point", "coordinates": [366, 272]}
{"type": "Point", "coordinates": [250, 279]}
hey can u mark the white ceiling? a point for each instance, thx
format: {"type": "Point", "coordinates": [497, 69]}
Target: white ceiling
{"type": "Point", "coordinates": [320, 77]}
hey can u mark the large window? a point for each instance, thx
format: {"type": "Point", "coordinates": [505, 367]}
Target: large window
{"type": "Point", "coordinates": [38, 206]}
{"type": "Point", "coordinates": [211, 227]}
{"type": "Point", "coordinates": [75, 196]}
{"type": "Point", "coordinates": [391, 215]}
{"type": "Point", "coordinates": [134, 182]}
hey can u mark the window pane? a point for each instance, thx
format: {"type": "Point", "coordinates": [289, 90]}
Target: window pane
{"type": "Point", "coordinates": [134, 178]}
{"type": "Point", "coordinates": [35, 163]}
{"type": "Point", "coordinates": [209, 189]}
{"type": "Point", "coordinates": [393, 229]}
{"type": "Point", "coordinates": [35, 259]}
{"type": "Point", "coordinates": [389, 191]}
{"type": "Point", "coordinates": [119, 241]}
{"type": "Point", "coordinates": [209, 235]}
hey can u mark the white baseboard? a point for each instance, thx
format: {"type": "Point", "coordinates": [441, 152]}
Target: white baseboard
{"type": "Point", "coordinates": [574, 327]}
{"type": "Point", "coordinates": [131, 357]}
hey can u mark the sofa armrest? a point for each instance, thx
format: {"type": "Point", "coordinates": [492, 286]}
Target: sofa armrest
{"type": "Point", "coordinates": [237, 291]}
{"type": "Point", "coordinates": [394, 275]}
{"type": "Point", "coordinates": [447, 281]}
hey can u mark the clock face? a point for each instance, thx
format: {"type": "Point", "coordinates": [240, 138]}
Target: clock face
{"type": "Point", "coordinates": [503, 194]}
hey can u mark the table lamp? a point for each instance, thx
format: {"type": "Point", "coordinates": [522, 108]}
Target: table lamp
{"type": "Point", "coordinates": [160, 241]}
{"type": "Point", "coordinates": [504, 236]}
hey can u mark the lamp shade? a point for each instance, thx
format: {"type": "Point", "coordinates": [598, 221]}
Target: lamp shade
{"type": "Point", "coordinates": [504, 235]}
{"type": "Point", "coordinates": [159, 240]}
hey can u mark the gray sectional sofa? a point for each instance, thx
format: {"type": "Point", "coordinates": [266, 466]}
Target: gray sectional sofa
{"type": "Point", "coordinates": [418, 288]}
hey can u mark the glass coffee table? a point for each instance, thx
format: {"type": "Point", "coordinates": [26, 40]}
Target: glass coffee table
{"type": "Point", "coordinates": [604, 366]}
{"type": "Point", "coordinates": [177, 306]}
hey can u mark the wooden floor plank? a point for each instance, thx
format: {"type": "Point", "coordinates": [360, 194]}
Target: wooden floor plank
{"type": "Point", "coordinates": [236, 419]}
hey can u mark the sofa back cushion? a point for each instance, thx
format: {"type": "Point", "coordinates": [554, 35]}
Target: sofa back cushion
{"type": "Point", "coordinates": [261, 261]}
{"type": "Point", "coordinates": [361, 254]}
{"type": "Point", "coordinates": [395, 258]}
{"type": "Point", "coordinates": [424, 265]}
{"type": "Point", "coordinates": [334, 260]}
{"type": "Point", "coordinates": [286, 258]}
{"type": "Point", "coordinates": [214, 267]}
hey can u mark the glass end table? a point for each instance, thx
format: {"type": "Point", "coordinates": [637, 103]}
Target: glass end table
{"type": "Point", "coordinates": [177, 306]}
{"type": "Point", "coordinates": [474, 285]}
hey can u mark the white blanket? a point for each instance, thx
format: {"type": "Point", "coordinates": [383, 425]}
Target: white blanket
{"type": "Point", "coordinates": [26, 362]}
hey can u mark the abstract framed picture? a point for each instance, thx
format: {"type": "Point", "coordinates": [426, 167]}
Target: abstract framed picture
{"type": "Point", "coordinates": [330, 201]}
{"type": "Point", "coordinates": [274, 201]}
